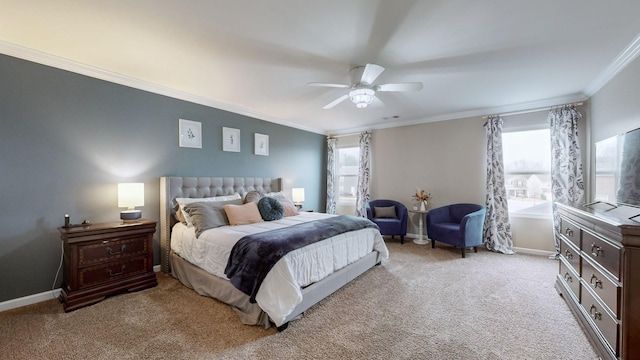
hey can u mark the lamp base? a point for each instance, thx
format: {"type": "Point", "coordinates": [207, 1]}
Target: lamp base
{"type": "Point", "coordinates": [130, 215]}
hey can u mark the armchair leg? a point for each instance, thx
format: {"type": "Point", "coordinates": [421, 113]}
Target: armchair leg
{"type": "Point", "coordinates": [401, 239]}
{"type": "Point", "coordinates": [433, 244]}
{"type": "Point", "coordinates": [463, 249]}
{"type": "Point", "coordinates": [475, 249]}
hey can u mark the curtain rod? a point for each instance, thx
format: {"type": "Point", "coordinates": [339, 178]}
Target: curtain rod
{"type": "Point", "coordinates": [343, 135]}
{"type": "Point", "coordinates": [532, 110]}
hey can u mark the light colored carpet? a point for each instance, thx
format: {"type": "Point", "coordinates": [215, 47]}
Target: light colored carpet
{"type": "Point", "coordinates": [422, 303]}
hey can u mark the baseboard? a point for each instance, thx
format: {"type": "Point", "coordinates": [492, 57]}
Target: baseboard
{"type": "Point", "coordinates": [533, 251]}
{"type": "Point", "coordinates": [29, 300]}
{"type": "Point", "coordinates": [43, 296]}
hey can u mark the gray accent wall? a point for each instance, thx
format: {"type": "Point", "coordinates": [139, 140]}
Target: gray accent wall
{"type": "Point", "coordinates": [66, 140]}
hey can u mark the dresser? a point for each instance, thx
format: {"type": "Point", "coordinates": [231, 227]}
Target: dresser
{"type": "Point", "coordinates": [105, 259]}
{"type": "Point", "coordinates": [599, 275]}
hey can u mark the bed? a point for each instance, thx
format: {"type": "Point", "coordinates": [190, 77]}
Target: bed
{"type": "Point", "coordinates": [287, 291]}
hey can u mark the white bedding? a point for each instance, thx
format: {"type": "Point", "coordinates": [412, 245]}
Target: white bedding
{"type": "Point", "coordinates": [280, 291]}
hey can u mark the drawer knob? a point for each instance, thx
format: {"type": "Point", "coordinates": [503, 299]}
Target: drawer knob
{"type": "Point", "coordinates": [597, 283]}
{"type": "Point", "coordinates": [567, 277]}
{"type": "Point", "coordinates": [595, 314]}
{"type": "Point", "coordinates": [595, 250]}
{"type": "Point", "coordinates": [568, 232]}
{"type": "Point", "coordinates": [568, 254]}
{"type": "Point", "coordinates": [122, 247]}
{"type": "Point", "coordinates": [111, 273]}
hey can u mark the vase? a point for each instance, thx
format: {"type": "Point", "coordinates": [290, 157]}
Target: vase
{"type": "Point", "coordinates": [423, 205]}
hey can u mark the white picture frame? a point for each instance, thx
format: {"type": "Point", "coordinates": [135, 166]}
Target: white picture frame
{"type": "Point", "coordinates": [190, 134]}
{"type": "Point", "coordinates": [261, 144]}
{"type": "Point", "coordinates": [230, 139]}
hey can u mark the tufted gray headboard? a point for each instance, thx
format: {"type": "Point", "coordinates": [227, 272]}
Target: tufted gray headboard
{"type": "Point", "coordinates": [172, 187]}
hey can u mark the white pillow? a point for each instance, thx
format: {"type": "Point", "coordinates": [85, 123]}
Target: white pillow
{"type": "Point", "coordinates": [184, 201]}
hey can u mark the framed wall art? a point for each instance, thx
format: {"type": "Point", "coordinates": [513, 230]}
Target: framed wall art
{"type": "Point", "coordinates": [190, 133]}
{"type": "Point", "coordinates": [261, 144]}
{"type": "Point", "coordinates": [230, 139]}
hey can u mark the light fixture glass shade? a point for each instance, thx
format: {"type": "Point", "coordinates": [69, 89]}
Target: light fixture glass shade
{"type": "Point", "coordinates": [130, 195]}
{"type": "Point", "coordinates": [297, 195]}
{"type": "Point", "coordinates": [361, 97]}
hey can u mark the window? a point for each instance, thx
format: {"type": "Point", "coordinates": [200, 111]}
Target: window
{"type": "Point", "coordinates": [527, 166]}
{"type": "Point", "coordinates": [348, 173]}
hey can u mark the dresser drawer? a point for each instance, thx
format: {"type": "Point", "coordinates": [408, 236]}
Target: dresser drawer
{"type": "Point", "coordinates": [571, 254]}
{"type": "Point", "coordinates": [111, 250]}
{"type": "Point", "coordinates": [570, 231]}
{"type": "Point", "coordinates": [570, 278]}
{"type": "Point", "coordinates": [604, 322]}
{"type": "Point", "coordinates": [607, 290]}
{"type": "Point", "coordinates": [104, 273]}
{"type": "Point", "coordinates": [602, 252]}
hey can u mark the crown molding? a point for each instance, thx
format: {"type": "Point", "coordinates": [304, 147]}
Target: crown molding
{"type": "Point", "coordinates": [106, 75]}
{"type": "Point", "coordinates": [620, 62]}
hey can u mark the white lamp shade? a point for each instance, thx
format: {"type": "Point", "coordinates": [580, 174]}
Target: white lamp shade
{"type": "Point", "coordinates": [297, 195]}
{"type": "Point", "coordinates": [130, 195]}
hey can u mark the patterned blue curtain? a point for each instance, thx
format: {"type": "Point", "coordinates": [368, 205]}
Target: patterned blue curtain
{"type": "Point", "coordinates": [497, 227]}
{"type": "Point", "coordinates": [566, 163]}
{"type": "Point", "coordinates": [364, 167]}
{"type": "Point", "coordinates": [332, 174]}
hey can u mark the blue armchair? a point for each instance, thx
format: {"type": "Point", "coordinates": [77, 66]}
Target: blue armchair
{"type": "Point", "coordinates": [391, 221]}
{"type": "Point", "coordinates": [459, 225]}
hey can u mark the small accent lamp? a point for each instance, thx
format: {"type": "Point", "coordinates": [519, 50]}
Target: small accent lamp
{"type": "Point", "coordinates": [297, 195]}
{"type": "Point", "coordinates": [130, 195]}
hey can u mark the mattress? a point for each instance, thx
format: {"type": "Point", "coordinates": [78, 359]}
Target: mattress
{"type": "Point", "coordinates": [280, 291]}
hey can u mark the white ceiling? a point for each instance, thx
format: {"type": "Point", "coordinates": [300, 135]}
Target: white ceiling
{"type": "Point", "coordinates": [255, 57]}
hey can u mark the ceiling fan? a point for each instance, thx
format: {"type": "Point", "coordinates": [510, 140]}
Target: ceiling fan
{"type": "Point", "coordinates": [362, 91]}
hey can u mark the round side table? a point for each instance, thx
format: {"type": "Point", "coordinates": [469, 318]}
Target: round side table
{"type": "Point", "coordinates": [421, 240]}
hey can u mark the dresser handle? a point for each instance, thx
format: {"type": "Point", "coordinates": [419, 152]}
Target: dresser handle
{"type": "Point", "coordinates": [567, 277]}
{"type": "Point", "coordinates": [116, 274]}
{"type": "Point", "coordinates": [568, 254]}
{"type": "Point", "coordinates": [597, 250]}
{"type": "Point", "coordinates": [593, 310]}
{"type": "Point", "coordinates": [597, 283]}
{"type": "Point", "coordinates": [568, 232]}
{"type": "Point", "coordinates": [122, 247]}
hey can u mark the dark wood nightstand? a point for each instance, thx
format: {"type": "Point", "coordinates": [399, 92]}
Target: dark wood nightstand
{"type": "Point", "coordinates": [105, 259]}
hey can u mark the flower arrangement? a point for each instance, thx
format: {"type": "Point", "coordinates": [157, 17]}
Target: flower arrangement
{"type": "Point", "coordinates": [421, 195]}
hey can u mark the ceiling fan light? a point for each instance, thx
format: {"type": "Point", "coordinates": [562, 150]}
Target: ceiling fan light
{"type": "Point", "coordinates": [361, 97]}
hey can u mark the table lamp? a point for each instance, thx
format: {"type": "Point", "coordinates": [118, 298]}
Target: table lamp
{"type": "Point", "coordinates": [297, 195]}
{"type": "Point", "coordinates": [130, 195]}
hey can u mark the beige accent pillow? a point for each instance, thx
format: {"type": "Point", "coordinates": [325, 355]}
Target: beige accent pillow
{"type": "Point", "coordinates": [385, 212]}
{"type": "Point", "coordinates": [243, 214]}
{"type": "Point", "coordinates": [184, 201]}
{"type": "Point", "coordinates": [289, 209]}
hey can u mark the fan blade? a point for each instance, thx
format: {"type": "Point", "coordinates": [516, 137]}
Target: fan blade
{"type": "Point", "coordinates": [371, 73]}
{"type": "Point", "coordinates": [336, 102]}
{"type": "Point", "coordinates": [328, 85]}
{"type": "Point", "coordinates": [412, 86]}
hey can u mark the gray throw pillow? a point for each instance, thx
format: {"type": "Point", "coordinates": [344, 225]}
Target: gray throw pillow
{"type": "Point", "coordinates": [385, 212]}
{"type": "Point", "coordinates": [209, 215]}
{"type": "Point", "coordinates": [270, 209]}
{"type": "Point", "coordinates": [252, 196]}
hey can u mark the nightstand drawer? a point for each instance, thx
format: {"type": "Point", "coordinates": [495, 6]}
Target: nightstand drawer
{"type": "Point", "coordinates": [101, 274]}
{"type": "Point", "coordinates": [111, 249]}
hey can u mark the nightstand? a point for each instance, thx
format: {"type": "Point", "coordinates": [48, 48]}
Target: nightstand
{"type": "Point", "coordinates": [105, 259]}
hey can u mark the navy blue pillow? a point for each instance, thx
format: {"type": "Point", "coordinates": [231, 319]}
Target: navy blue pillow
{"type": "Point", "coordinates": [270, 209]}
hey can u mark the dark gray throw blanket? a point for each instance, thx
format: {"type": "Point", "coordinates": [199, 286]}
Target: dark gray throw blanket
{"type": "Point", "coordinates": [254, 255]}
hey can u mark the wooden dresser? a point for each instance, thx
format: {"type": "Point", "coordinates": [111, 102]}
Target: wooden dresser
{"type": "Point", "coordinates": [599, 275]}
{"type": "Point", "coordinates": [105, 259]}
